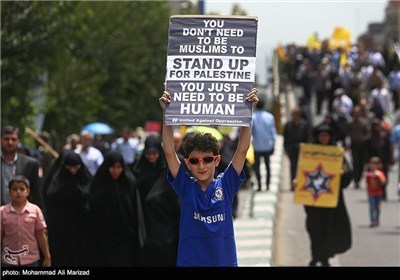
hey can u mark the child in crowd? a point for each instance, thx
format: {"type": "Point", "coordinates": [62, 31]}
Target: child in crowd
{"type": "Point", "coordinates": [23, 229]}
{"type": "Point", "coordinates": [206, 236]}
{"type": "Point", "coordinates": [375, 180]}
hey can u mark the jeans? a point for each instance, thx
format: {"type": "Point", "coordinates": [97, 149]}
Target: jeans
{"type": "Point", "coordinates": [374, 208]}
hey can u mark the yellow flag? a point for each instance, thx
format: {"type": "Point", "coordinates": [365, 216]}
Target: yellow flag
{"type": "Point", "coordinates": [313, 43]}
{"type": "Point", "coordinates": [282, 54]}
{"type": "Point", "coordinates": [341, 37]}
{"type": "Point", "coordinates": [343, 59]}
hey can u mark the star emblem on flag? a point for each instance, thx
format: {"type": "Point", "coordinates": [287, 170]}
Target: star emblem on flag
{"type": "Point", "coordinates": [318, 182]}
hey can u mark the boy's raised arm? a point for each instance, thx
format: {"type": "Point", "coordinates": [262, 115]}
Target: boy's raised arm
{"type": "Point", "coordinates": [239, 157]}
{"type": "Point", "coordinates": [168, 140]}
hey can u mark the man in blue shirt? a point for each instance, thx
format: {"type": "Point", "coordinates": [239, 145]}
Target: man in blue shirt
{"type": "Point", "coordinates": [127, 146]}
{"type": "Point", "coordinates": [264, 135]}
{"type": "Point", "coordinates": [206, 236]}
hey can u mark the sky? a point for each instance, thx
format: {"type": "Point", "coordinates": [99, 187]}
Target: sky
{"type": "Point", "coordinates": [293, 21]}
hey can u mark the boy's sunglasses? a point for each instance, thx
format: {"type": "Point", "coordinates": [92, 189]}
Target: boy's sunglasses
{"type": "Point", "coordinates": [204, 160]}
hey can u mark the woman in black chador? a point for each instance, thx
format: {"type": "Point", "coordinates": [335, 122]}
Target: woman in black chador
{"type": "Point", "coordinates": [65, 192]}
{"type": "Point", "coordinates": [114, 214]}
{"type": "Point", "coordinates": [329, 229]}
{"type": "Point", "coordinates": [160, 204]}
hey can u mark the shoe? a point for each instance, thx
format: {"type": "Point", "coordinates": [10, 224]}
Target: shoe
{"type": "Point", "coordinates": [313, 263]}
{"type": "Point", "coordinates": [325, 263]}
{"type": "Point", "coordinates": [374, 224]}
{"type": "Point", "coordinates": [267, 187]}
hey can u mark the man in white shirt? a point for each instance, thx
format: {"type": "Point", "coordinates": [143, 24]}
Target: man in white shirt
{"type": "Point", "coordinates": [382, 95]}
{"type": "Point", "coordinates": [91, 157]}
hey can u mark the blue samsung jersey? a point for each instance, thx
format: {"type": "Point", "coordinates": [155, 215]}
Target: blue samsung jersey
{"type": "Point", "coordinates": [206, 225]}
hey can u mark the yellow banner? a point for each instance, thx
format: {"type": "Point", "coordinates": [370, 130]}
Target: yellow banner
{"type": "Point", "coordinates": [318, 175]}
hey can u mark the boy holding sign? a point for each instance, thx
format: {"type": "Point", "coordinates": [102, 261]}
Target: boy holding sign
{"type": "Point", "coordinates": [206, 236]}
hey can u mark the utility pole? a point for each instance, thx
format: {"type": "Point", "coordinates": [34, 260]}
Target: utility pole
{"type": "Point", "coordinates": [201, 6]}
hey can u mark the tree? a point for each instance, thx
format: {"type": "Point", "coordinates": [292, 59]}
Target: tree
{"type": "Point", "coordinates": [104, 61]}
{"type": "Point", "coordinates": [29, 35]}
{"type": "Point", "coordinates": [237, 10]}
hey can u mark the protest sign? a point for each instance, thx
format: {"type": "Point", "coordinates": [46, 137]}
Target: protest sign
{"type": "Point", "coordinates": [318, 175]}
{"type": "Point", "coordinates": [210, 70]}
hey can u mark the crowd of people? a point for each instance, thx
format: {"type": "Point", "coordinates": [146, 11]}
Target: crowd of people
{"type": "Point", "coordinates": [98, 209]}
{"type": "Point", "coordinates": [101, 204]}
{"type": "Point", "coordinates": [112, 204]}
{"type": "Point", "coordinates": [356, 93]}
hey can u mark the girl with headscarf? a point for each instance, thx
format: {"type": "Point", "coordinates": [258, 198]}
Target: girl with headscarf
{"type": "Point", "coordinates": [65, 193]}
{"type": "Point", "coordinates": [329, 229]}
{"type": "Point", "coordinates": [114, 214]}
{"type": "Point", "coordinates": [160, 204]}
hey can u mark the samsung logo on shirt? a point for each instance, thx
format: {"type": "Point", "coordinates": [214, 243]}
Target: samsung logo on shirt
{"type": "Point", "coordinates": [209, 219]}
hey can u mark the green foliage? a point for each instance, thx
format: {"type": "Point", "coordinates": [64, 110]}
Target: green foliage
{"type": "Point", "coordinates": [105, 61]}
{"type": "Point", "coordinates": [237, 10]}
{"type": "Point", "coordinates": [27, 45]}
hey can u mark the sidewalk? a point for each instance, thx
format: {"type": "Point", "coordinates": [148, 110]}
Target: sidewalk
{"type": "Point", "coordinates": [255, 225]}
